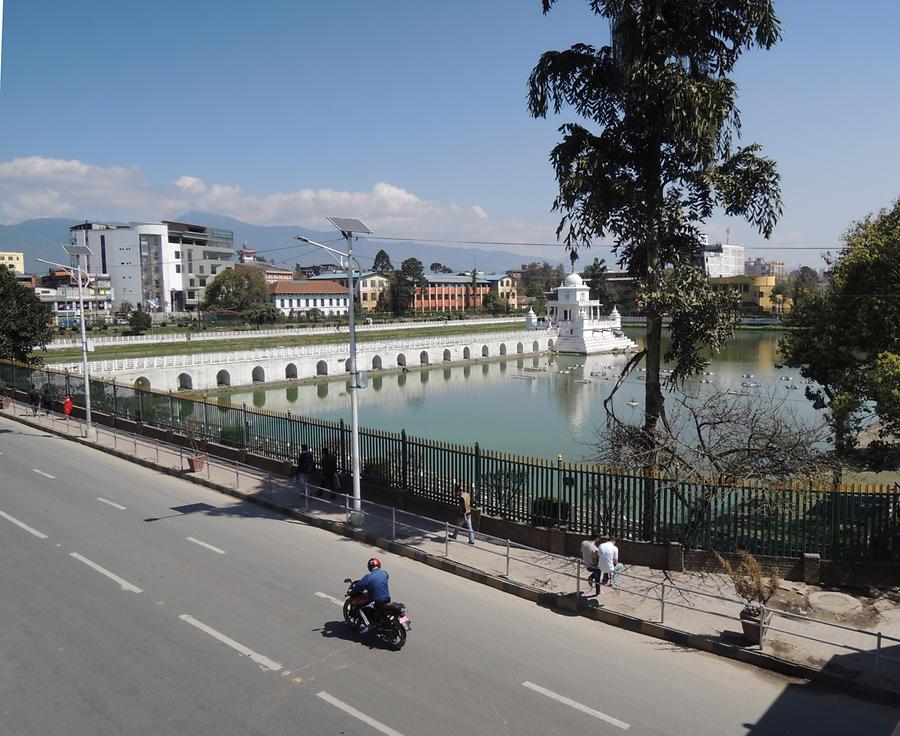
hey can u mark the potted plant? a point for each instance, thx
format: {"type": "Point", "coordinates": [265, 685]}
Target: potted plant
{"type": "Point", "coordinates": [749, 584]}
{"type": "Point", "coordinates": [197, 460]}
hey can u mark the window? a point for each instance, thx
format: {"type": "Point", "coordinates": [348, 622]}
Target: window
{"type": "Point", "coordinates": [202, 282]}
{"type": "Point", "coordinates": [191, 282]}
{"type": "Point", "coordinates": [201, 268]}
{"type": "Point", "coordinates": [177, 268]}
{"type": "Point", "coordinates": [177, 254]}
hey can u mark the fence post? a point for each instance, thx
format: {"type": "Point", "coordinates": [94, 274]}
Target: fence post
{"type": "Point", "coordinates": [477, 474]}
{"type": "Point", "coordinates": [404, 461]}
{"type": "Point", "coordinates": [343, 450]}
{"type": "Point", "coordinates": [269, 482]}
{"type": "Point", "coordinates": [180, 457]}
{"type": "Point", "coordinates": [662, 603]}
{"type": "Point", "coordinates": [237, 475]}
{"type": "Point", "coordinates": [762, 626]}
{"type": "Point", "coordinates": [157, 450]}
{"type": "Point", "coordinates": [393, 522]}
{"type": "Point", "coordinates": [878, 653]}
{"type": "Point", "coordinates": [135, 444]}
{"type": "Point", "coordinates": [507, 559]}
{"type": "Point", "coordinates": [578, 577]}
{"type": "Point", "coordinates": [446, 539]}
{"type": "Point", "coordinates": [115, 403]}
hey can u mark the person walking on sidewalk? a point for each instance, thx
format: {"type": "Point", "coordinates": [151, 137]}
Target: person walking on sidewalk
{"type": "Point", "coordinates": [608, 558]}
{"type": "Point", "coordinates": [464, 501]}
{"type": "Point", "coordinates": [329, 471]}
{"type": "Point", "coordinates": [305, 466]}
{"type": "Point", "coordinates": [590, 556]}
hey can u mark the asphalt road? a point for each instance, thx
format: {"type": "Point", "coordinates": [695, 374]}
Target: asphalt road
{"type": "Point", "coordinates": [135, 603]}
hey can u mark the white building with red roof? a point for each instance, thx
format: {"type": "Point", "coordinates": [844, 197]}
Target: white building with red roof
{"type": "Point", "coordinates": [297, 298]}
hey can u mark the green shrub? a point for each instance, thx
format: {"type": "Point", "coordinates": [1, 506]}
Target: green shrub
{"type": "Point", "coordinates": [550, 512]}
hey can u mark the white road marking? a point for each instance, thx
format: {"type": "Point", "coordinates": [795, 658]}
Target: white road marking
{"type": "Point", "coordinates": [204, 544]}
{"type": "Point", "coordinates": [576, 705]}
{"type": "Point", "coordinates": [103, 571]}
{"type": "Point", "coordinates": [23, 525]}
{"type": "Point", "coordinates": [46, 475]}
{"type": "Point", "coordinates": [262, 661]}
{"type": "Point", "coordinates": [113, 504]}
{"type": "Point", "coordinates": [350, 710]}
{"type": "Point", "coordinates": [329, 598]}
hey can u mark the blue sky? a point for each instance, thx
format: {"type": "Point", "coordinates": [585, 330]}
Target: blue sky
{"type": "Point", "coordinates": [408, 113]}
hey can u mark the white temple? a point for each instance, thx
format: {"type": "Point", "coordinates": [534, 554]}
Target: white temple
{"type": "Point", "coordinates": [579, 324]}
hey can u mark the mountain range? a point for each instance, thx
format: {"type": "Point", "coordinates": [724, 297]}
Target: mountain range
{"type": "Point", "coordinates": [41, 238]}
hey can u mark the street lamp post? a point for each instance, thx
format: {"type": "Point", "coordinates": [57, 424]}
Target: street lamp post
{"type": "Point", "coordinates": [348, 227]}
{"type": "Point", "coordinates": [78, 251]}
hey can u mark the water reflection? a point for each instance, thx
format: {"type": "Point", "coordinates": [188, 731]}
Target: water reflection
{"type": "Point", "coordinates": [539, 405]}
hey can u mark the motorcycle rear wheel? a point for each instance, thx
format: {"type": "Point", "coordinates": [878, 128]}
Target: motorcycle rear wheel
{"type": "Point", "coordinates": [395, 636]}
{"type": "Point", "coordinates": [351, 615]}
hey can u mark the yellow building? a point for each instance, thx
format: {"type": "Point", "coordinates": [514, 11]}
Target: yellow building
{"type": "Point", "coordinates": [369, 286]}
{"type": "Point", "coordinates": [13, 260]}
{"type": "Point", "coordinates": [755, 291]}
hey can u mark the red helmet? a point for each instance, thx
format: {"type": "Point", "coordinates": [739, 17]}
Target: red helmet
{"type": "Point", "coordinates": [373, 563]}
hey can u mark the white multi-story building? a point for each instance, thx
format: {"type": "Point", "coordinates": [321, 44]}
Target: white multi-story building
{"type": "Point", "coordinates": [299, 298]}
{"type": "Point", "coordinates": [13, 260]}
{"type": "Point", "coordinates": [762, 267]}
{"type": "Point", "coordinates": [159, 266]}
{"type": "Point", "coordinates": [723, 259]}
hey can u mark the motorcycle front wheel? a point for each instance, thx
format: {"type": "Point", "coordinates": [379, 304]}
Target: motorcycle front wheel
{"type": "Point", "coordinates": [396, 636]}
{"type": "Point", "coordinates": [351, 615]}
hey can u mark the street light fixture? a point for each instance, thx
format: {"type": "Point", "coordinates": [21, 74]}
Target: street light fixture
{"type": "Point", "coordinates": [348, 227]}
{"type": "Point", "coordinates": [78, 251]}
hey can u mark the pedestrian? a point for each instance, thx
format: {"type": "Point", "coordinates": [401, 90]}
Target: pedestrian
{"type": "Point", "coordinates": [305, 465]}
{"type": "Point", "coordinates": [47, 399]}
{"type": "Point", "coordinates": [590, 557]}
{"type": "Point", "coordinates": [329, 471]}
{"type": "Point", "coordinates": [608, 562]}
{"type": "Point", "coordinates": [34, 398]}
{"type": "Point", "coordinates": [464, 507]}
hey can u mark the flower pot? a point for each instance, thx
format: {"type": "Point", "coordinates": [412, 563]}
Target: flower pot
{"type": "Point", "coordinates": [750, 622]}
{"type": "Point", "coordinates": [196, 463]}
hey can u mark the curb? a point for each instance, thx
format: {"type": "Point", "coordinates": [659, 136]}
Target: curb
{"type": "Point", "coordinates": [562, 602]}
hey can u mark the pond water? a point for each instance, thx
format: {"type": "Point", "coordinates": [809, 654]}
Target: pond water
{"type": "Point", "coordinates": [536, 406]}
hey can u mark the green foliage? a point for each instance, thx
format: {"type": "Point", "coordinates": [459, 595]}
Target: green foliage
{"type": "Point", "coordinates": [237, 289]}
{"type": "Point", "coordinates": [264, 314]}
{"type": "Point", "coordinates": [846, 336]}
{"type": "Point", "coordinates": [595, 279]}
{"type": "Point", "coordinates": [139, 321]}
{"type": "Point", "coordinates": [805, 280]}
{"type": "Point", "coordinates": [664, 155]}
{"type": "Point", "coordinates": [539, 278]}
{"type": "Point", "coordinates": [437, 267]}
{"type": "Point", "coordinates": [382, 262]}
{"type": "Point", "coordinates": [24, 322]}
{"type": "Point", "coordinates": [493, 303]}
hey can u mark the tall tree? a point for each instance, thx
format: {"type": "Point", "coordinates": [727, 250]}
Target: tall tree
{"type": "Point", "coordinates": [24, 322]}
{"type": "Point", "coordinates": [806, 279]}
{"type": "Point", "coordinates": [595, 279]}
{"type": "Point", "coordinates": [846, 336]}
{"type": "Point", "coordinates": [382, 262]}
{"type": "Point", "coordinates": [662, 159]}
{"type": "Point", "coordinates": [237, 289]}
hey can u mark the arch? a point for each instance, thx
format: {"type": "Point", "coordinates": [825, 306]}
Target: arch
{"type": "Point", "coordinates": [401, 360]}
{"type": "Point", "coordinates": [502, 348]}
{"type": "Point", "coordinates": [142, 383]}
{"type": "Point", "coordinates": [290, 370]}
{"type": "Point", "coordinates": [185, 381]}
{"type": "Point", "coordinates": [447, 356]}
{"type": "Point", "coordinates": [321, 368]}
{"type": "Point", "coordinates": [376, 363]}
{"type": "Point", "coordinates": [223, 378]}
{"type": "Point", "coordinates": [549, 344]}
{"type": "Point", "coordinates": [467, 353]}
{"type": "Point", "coordinates": [258, 375]}
{"type": "Point", "coordinates": [520, 348]}
{"type": "Point", "coordinates": [423, 358]}
{"type": "Point", "coordinates": [347, 365]}
{"type": "Point", "coordinates": [484, 351]}
{"type": "Point", "coordinates": [535, 348]}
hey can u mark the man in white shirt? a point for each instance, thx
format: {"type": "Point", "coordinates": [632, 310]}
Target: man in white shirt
{"type": "Point", "coordinates": [608, 562]}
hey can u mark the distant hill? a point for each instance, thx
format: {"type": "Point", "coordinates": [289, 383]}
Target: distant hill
{"type": "Point", "coordinates": [42, 238]}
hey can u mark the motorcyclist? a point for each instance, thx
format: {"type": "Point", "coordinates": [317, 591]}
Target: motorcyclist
{"type": "Point", "coordinates": [375, 583]}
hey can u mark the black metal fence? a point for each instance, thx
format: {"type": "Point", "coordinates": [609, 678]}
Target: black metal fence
{"type": "Point", "coordinates": [853, 523]}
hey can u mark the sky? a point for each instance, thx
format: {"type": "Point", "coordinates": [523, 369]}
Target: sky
{"type": "Point", "coordinates": [409, 114]}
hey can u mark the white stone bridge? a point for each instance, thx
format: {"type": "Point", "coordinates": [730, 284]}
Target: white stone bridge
{"type": "Point", "coordinates": [202, 371]}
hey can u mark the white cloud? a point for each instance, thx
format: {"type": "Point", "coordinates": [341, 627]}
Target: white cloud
{"type": "Point", "coordinates": [34, 186]}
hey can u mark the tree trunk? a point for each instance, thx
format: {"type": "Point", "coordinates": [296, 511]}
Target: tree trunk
{"type": "Point", "coordinates": [653, 398]}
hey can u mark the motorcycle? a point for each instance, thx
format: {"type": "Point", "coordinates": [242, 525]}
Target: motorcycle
{"type": "Point", "coordinates": [389, 624]}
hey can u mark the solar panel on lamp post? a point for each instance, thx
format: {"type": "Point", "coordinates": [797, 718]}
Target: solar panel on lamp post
{"type": "Point", "coordinates": [348, 227]}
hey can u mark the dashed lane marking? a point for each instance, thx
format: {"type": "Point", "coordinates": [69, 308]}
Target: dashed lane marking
{"type": "Point", "coordinates": [207, 546]}
{"type": "Point", "coordinates": [46, 475]}
{"type": "Point", "coordinates": [23, 525]}
{"type": "Point", "coordinates": [359, 715]}
{"type": "Point", "coordinates": [330, 598]}
{"type": "Point", "coordinates": [576, 705]}
{"type": "Point", "coordinates": [262, 661]}
{"type": "Point", "coordinates": [113, 504]}
{"type": "Point", "coordinates": [103, 571]}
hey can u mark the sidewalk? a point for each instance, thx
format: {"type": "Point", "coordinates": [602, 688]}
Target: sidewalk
{"type": "Point", "coordinates": [692, 608]}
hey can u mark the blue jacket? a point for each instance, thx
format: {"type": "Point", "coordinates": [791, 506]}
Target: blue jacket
{"type": "Point", "coordinates": [377, 584]}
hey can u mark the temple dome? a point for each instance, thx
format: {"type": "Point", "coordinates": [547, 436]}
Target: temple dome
{"type": "Point", "coordinates": [573, 279]}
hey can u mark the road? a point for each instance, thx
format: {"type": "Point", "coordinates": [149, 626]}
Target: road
{"type": "Point", "coordinates": [136, 603]}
